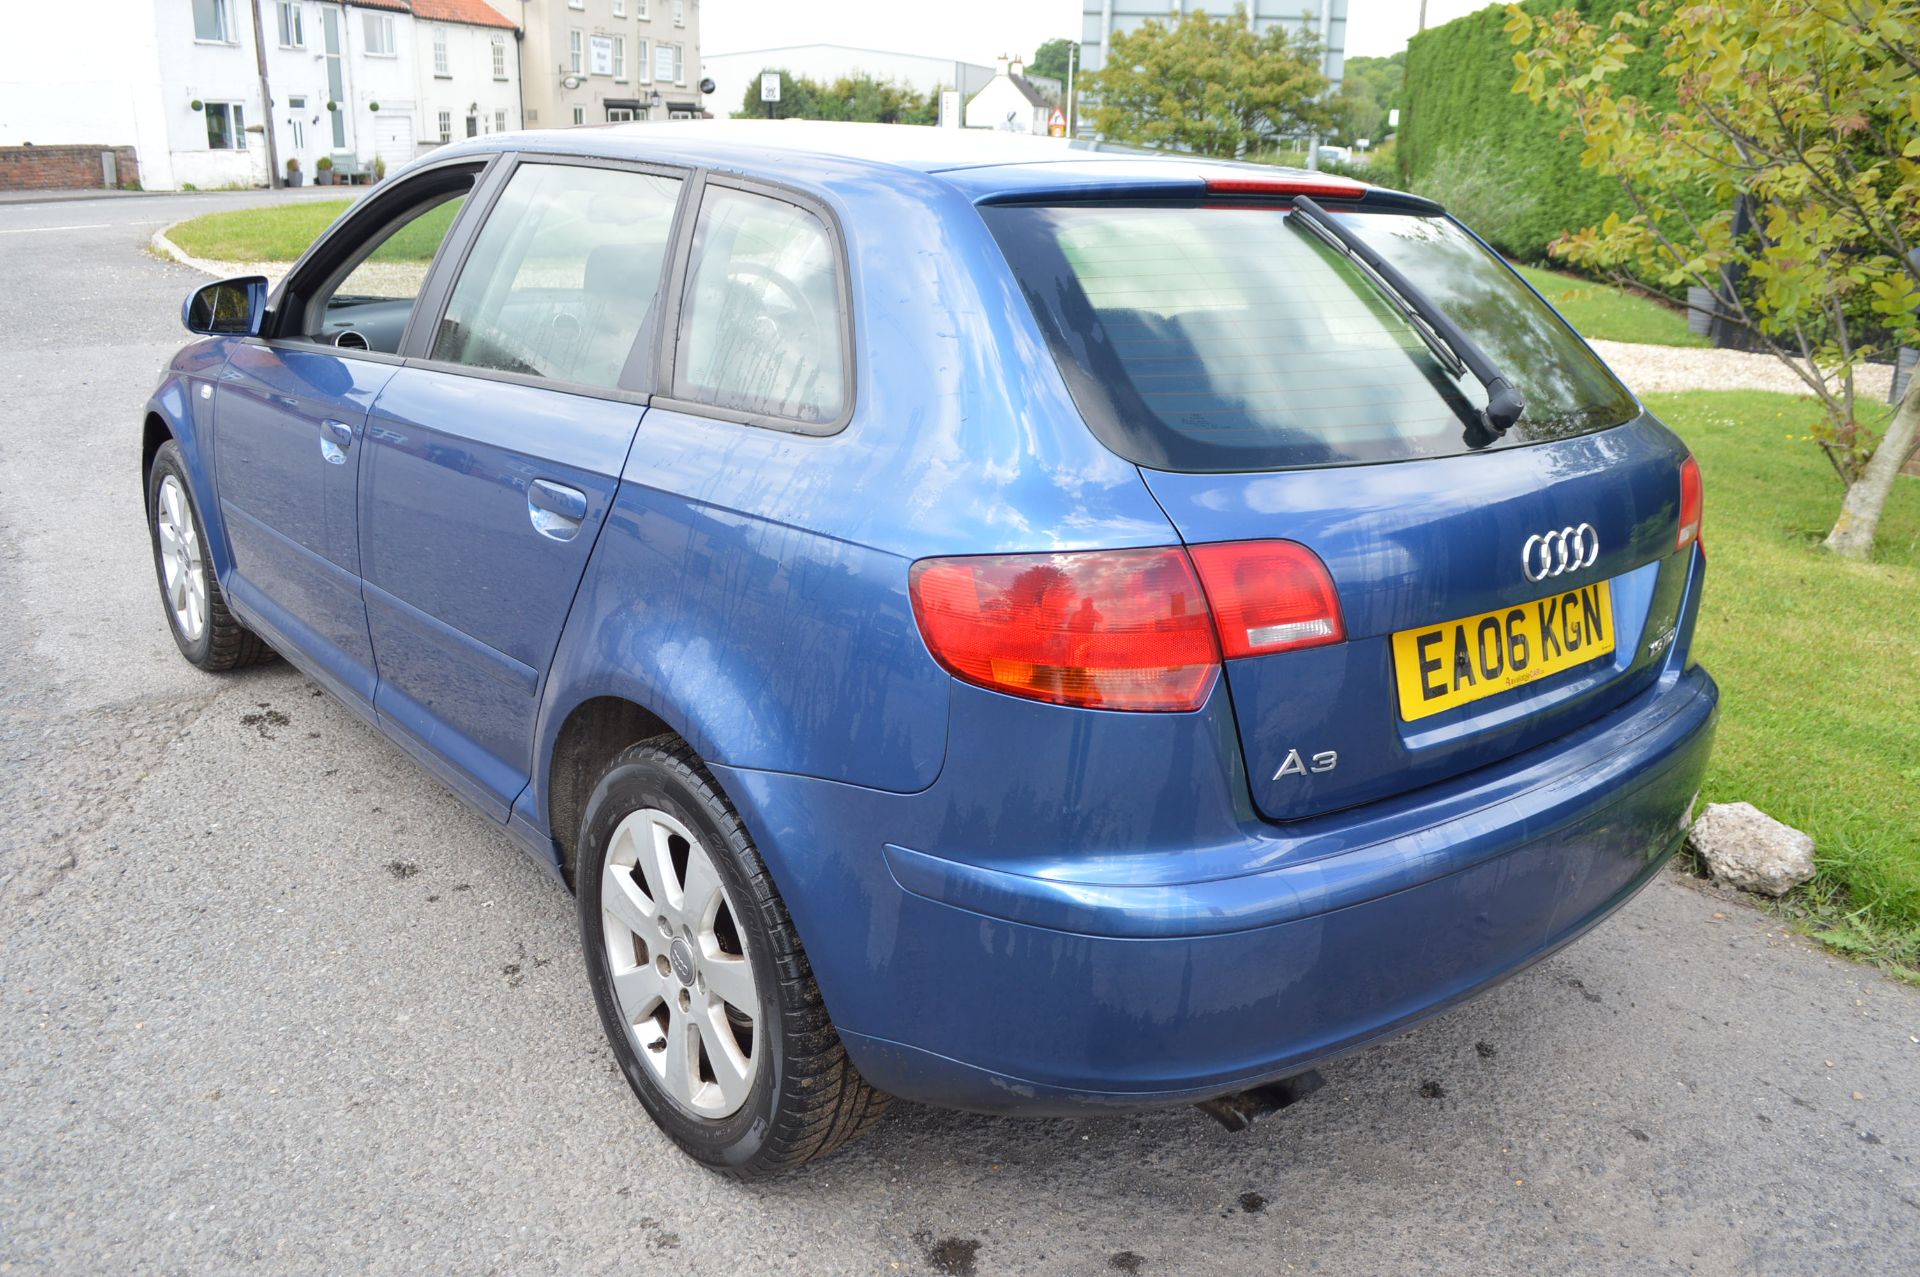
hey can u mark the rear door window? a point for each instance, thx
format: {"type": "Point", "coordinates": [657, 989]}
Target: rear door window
{"type": "Point", "coordinates": [563, 277]}
{"type": "Point", "coordinates": [1220, 338]}
{"type": "Point", "coordinates": [762, 327]}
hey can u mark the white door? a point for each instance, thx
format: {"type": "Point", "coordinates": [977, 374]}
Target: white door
{"type": "Point", "coordinates": [393, 138]}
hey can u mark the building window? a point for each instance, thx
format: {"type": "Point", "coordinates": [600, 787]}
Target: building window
{"type": "Point", "coordinates": [440, 53]}
{"type": "Point", "coordinates": [640, 9]}
{"type": "Point", "coordinates": [668, 63]}
{"type": "Point", "coordinates": [679, 13]}
{"type": "Point", "coordinates": [640, 58]}
{"type": "Point", "coordinates": [379, 28]}
{"type": "Point", "coordinates": [293, 31]}
{"type": "Point", "coordinates": [211, 21]}
{"type": "Point", "coordinates": [619, 8]}
{"type": "Point", "coordinates": [473, 126]}
{"type": "Point", "coordinates": [226, 127]}
{"type": "Point", "coordinates": [499, 58]}
{"type": "Point", "coordinates": [573, 52]}
{"type": "Point", "coordinates": [446, 126]}
{"type": "Point", "coordinates": [500, 120]}
{"type": "Point", "coordinates": [619, 57]}
{"type": "Point", "coordinates": [579, 115]}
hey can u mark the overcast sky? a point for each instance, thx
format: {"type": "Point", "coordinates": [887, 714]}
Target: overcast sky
{"type": "Point", "coordinates": [981, 30]}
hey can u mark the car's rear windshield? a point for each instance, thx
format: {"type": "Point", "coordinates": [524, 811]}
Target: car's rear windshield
{"type": "Point", "coordinates": [1219, 338]}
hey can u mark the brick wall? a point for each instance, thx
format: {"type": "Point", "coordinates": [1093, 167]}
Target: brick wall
{"type": "Point", "coordinates": [55, 168]}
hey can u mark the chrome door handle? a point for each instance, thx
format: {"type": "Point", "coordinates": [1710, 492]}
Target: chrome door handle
{"type": "Point", "coordinates": [555, 509]}
{"type": "Point", "coordinates": [335, 438]}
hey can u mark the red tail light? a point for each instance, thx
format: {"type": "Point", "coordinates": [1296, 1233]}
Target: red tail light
{"type": "Point", "coordinates": [1121, 629]}
{"type": "Point", "coordinates": [1109, 629]}
{"type": "Point", "coordinates": [1692, 504]}
{"type": "Point", "coordinates": [1269, 596]}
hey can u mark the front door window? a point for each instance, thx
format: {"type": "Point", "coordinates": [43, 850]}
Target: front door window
{"type": "Point", "coordinates": [366, 303]}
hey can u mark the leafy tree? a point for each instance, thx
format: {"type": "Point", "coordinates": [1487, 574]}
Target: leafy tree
{"type": "Point", "coordinates": [1369, 89]}
{"type": "Point", "coordinates": [1804, 115]}
{"type": "Point", "coordinates": [1050, 59]}
{"type": "Point", "coordinates": [859, 98]}
{"type": "Point", "coordinates": [1208, 85]}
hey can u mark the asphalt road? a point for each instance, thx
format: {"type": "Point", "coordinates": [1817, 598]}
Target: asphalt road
{"type": "Point", "coordinates": [271, 999]}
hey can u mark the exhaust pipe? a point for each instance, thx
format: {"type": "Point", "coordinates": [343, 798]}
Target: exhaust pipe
{"type": "Point", "coordinates": [1239, 1111]}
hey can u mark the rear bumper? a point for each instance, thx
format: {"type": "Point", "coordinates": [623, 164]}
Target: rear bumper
{"type": "Point", "coordinates": [1054, 985]}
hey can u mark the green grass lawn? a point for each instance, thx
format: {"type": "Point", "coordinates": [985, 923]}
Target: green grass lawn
{"type": "Point", "coordinates": [1818, 662]}
{"type": "Point", "coordinates": [282, 232]}
{"type": "Point", "coordinates": [1609, 313]}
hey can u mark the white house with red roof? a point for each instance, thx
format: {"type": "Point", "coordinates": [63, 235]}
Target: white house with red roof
{"type": "Point", "coordinates": [467, 69]}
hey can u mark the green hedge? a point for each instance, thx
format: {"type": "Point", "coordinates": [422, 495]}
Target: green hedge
{"type": "Point", "coordinates": [1459, 88]}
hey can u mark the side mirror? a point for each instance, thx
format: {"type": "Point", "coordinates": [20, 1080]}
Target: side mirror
{"type": "Point", "coordinates": [230, 308]}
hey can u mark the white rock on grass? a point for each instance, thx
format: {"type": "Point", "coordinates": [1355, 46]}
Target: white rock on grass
{"type": "Point", "coordinates": [1745, 847]}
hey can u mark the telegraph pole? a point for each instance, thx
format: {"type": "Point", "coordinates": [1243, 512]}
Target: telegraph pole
{"type": "Point", "coordinates": [274, 178]}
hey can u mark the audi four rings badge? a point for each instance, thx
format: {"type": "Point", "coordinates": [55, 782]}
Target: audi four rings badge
{"type": "Point", "coordinates": [1567, 550]}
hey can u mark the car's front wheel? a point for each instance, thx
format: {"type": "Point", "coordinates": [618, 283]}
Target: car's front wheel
{"type": "Point", "coordinates": [207, 633]}
{"type": "Point", "coordinates": [706, 994]}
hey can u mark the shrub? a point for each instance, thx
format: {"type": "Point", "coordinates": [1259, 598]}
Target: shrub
{"type": "Point", "coordinates": [1485, 188]}
{"type": "Point", "coordinates": [1459, 90]}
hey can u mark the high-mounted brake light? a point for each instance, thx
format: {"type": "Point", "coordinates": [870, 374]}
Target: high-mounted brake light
{"type": "Point", "coordinates": [1331, 188]}
{"type": "Point", "coordinates": [1269, 596]}
{"type": "Point", "coordinates": [1106, 629]}
{"type": "Point", "coordinates": [1692, 504]}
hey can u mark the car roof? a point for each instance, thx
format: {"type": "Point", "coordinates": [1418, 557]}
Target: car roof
{"type": "Point", "coordinates": [986, 165]}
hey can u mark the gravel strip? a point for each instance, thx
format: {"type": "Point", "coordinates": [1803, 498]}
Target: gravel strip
{"type": "Point", "coordinates": [1655, 369]}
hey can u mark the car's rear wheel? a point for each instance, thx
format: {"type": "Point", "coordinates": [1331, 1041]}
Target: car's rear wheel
{"type": "Point", "coordinates": [205, 631]}
{"type": "Point", "coordinates": [705, 992]}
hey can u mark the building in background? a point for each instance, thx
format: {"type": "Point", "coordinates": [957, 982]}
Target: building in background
{"type": "Point", "coordinates": [353, 81]}
{"type": "Point", "coordinates": [1012, 103]}
{"type": "Point", "coordinates": [824, 63]}
{"type": "Point", "coordinates": [342, 77]}
{"type": "Point", "coordinates": [467, 64]}
{"type": "Point", "coordinates": [605, 61]}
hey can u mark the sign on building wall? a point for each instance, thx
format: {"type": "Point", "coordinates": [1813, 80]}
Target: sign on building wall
{"type": "Point", "coordinates": [1325, 20]}
{"type": "Point", "coordinates": [600, 53]}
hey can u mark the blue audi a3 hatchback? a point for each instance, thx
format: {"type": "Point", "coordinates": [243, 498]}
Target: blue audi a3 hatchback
{"type": "Point", "coordinates": [974, 620]}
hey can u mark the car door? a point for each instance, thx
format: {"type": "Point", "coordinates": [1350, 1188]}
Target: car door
{"type": "Point", "coordinates": [493, 457]}
{"type": "Point", "coordinates": [291, 411]}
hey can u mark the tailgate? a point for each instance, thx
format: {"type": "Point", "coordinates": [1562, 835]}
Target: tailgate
{"type": "Point", "coordinates": [1432, 550]}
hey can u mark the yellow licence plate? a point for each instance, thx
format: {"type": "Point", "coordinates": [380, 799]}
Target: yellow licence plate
{"type": "Point", "coordinates": [1440, 666]}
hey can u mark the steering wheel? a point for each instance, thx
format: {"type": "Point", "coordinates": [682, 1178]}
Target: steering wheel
{"type": "Point", "coordinates": [742, 271]}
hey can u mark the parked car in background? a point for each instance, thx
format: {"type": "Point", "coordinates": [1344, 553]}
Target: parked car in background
{"type": "Point", "coordinates": [970, 619]}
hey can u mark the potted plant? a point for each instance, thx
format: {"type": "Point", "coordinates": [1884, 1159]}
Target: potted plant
{"type": "Point", "coordinates": [293, 172]}
{"type": "Point", "coordinates": [379, 169]}
{"type": "Point", "coordinates": [323, 171]}
{"type": "Point", "coordinates": [197, 105]}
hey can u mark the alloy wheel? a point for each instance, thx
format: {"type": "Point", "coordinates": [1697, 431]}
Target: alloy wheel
{"type": "Point", "coordinates": [183, 568]}
{"type": "Point", "coordinates": [679, 966]}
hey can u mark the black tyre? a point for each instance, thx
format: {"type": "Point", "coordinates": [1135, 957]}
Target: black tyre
{"type": "Point", "coordinates": [705, 992]}
{"type": "Point", "coordinates": [206, 632]}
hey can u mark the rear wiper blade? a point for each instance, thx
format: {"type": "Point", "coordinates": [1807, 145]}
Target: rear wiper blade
{"type": "Point", "coordinates": [1456, 351]}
